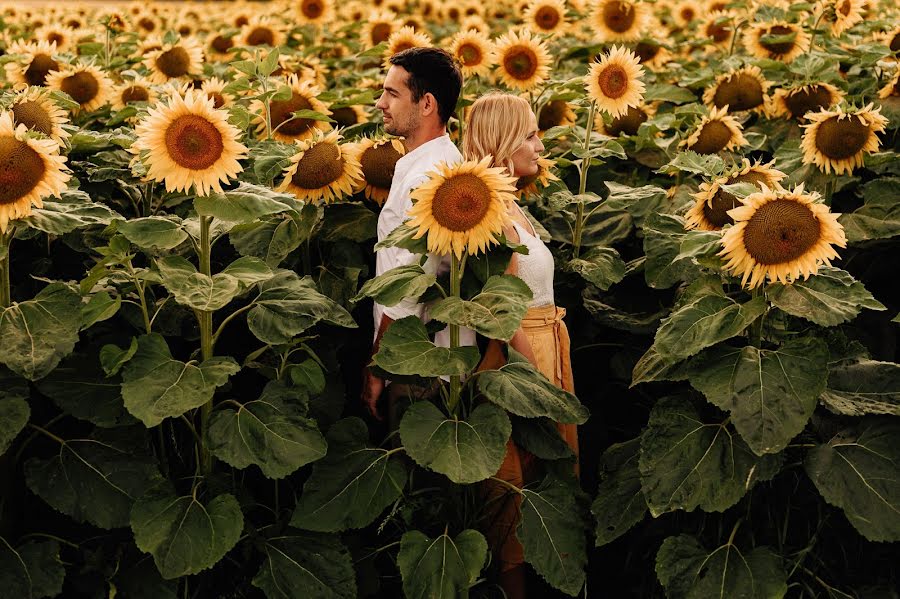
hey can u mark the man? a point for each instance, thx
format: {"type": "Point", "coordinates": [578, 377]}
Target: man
{"type": "Point", "coordinates": [420, 94]}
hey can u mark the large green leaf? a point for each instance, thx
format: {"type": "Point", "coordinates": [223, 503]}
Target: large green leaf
{"type": "Point", "coordinates": [879, 217]}
{"type": "Point", "coordinates": [36, 334]}
{"type": "Point", "coordinates": [96, 479]}
{"type": "Point", "coordinates": [859, 472]}
{"type": "Point", "coordinates": [156, 386]}
{"type": "Point", "coordinates": [303, 565]}
{"type": "Point", "coordinates": [465, 451]}
{"type": "Point", "coordinates": [154, 232]}
{"type": "Point", "coordinates": [521, 389]}
{"type": "Point", "coordinates": [860, 387]}
{"type": "Point", "coordinates": [272, 238]}
{"type": "Point", "coordinates": [640, 202]}
{"type": "Point", "coordinates": [671, 252]}
{"type": "Point", "coordinates": [185, 534]}
{"type": "Point", "coordinates": [72, 211]}
{"type": "Point", "coordinates": [195, 289]}
{"type": "Point", "coordinates": [704, 322]}
{"type": "Point", "coordinates": [689, 462]}
{"type": "Point", "coordinates": [351, 486]}
{"type": "Point", "coordinates": [390, 288]}
{"type": "Point", "coordinates": [496, 312]}
{"type": "Point", "coordinates": [271, 432]}
{"type": "Point", "coordinates": [100, 307]}
{"type": "Point", "coordinates": [687, 570]}
{"type": "Point", "coordinates": [406, 349]}
{"type": "Point", "coordinates": [770, 394]}
{"type": "Point", "coordinates": [829, 298]}
{"type": "Point", "coordinates": [14, 414]}
{"type": "Point", "coordinates": [599, 266]}
{"type": "Point", "coordinates": [441, 568]}
{"type": "Point", "coordinates": [349, 220]}
{"type": "Point", "coordinates": [288, 305]}
{"type": "Point", "coordinates": [248, 271]}
{"type": "Point", "coordinates": [540, 437]}
{"type": "Point", "coordinates": [244, 204]}
{"type": "Point", "coordinates": [31, 571]}
{"type": "Point", "coordinates": [619, 504]}
{"type": "Point", "coordinates": [552, 532]}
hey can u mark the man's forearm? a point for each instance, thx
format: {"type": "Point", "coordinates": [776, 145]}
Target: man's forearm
{"type": "Point", "coordinates": [382, 327]}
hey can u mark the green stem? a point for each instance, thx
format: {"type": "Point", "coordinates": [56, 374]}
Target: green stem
{"type": "Point", "coordinates": [5, 268]}
{"type": "Point", "coordinates": [230, 317]}
{"type": "Point", "coordinates": [59, 440]}
{"type": "Point", "coordinates": [756, 330]}
{"type": "Point", "coordinates": [582, 183]}
{"type": "Point", "coordinates": [454, 332]}
{"type": "Point", "coordinates": [507, 484]}
{"type": "Point", "coordinates": [204, 318]}
{"type": "Point", "coordinates": [815, 29]}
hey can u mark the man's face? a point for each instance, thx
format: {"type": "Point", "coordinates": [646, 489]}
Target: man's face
{"type": "Point", "coordinates": [401, 114]}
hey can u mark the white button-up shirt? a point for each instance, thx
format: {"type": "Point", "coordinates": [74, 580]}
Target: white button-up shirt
{"type": "Point", "coordinates": [411, 171]}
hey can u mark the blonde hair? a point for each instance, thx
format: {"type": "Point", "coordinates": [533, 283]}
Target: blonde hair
{"type": "Point", "coordinates": [498, 125]}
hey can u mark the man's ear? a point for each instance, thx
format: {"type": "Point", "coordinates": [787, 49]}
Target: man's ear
{"type": "Point", "coordinates": [429, 104]}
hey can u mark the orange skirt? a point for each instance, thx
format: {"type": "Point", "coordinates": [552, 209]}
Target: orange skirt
{"type": "Point", "coordinates": [549, 339]}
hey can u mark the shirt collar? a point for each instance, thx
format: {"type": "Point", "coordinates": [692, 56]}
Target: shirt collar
{"type": "Point", "coordinates": [422, 150]}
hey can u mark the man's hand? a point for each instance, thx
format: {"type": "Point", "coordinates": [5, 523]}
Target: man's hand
{"type": "Point", "coordinates": [371, 392]}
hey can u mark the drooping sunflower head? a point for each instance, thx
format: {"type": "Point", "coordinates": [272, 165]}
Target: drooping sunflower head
{"type": "Point", "coordinates": [218, 46]}
{"type": "Point", "coordinates": [615, 83]}
{"type": "Point", "coordinates": [462, 208]}
{"type": "Point", "coordinates": [261, 31]}
{"type": "Point", "coordinates": [776, 40]}
{"type": "Point", "coordinates": [741, 89]}
{"type": "Point", "coordinates": [546, 16]}
{"type": "Point", "coordinates": [178, 60]}
{"type": "Point", "coordinates": [377, 159]}
{"type": "Point", "coordinates": [842, 14]}
{"type": "Point", "coordinates": [625, 124]}
{"type": "Point", "coordinates": [712, 202]}
{"type": "Point", "coordinates": [522, 59]}
{"type": "Point", "coordinates": [378, 28]}
{"type": "Point", "coordinates": [34, 108]}
{"type": "Point", "coordinates": [795, 102]}
{"type": "Point", "coordinates": [37, 62]}
{"type": "Point", "coordinates": [717, 132]}
{"type": "Point", "coordinates": [285, 126]}
{"type": "Point", "coordinates": [838, 140]}
{"type": "Point", "coordinates": [780, 235]}
{"type": "Point", "coordinates": [892, 88]}
{"type": "Point", "coordinates": [651, 54]}
{"type": "Point", "coordinates": [532, 184]}
{"type": "Point", "coordinates": [187, 143]}
{"type": "Point", "coordinates": [30, 169]}
{"type": "Point", "coordinates": [86, 84]}
{"type": "Point", "coordinates": [474, 51]}
{"type": "Point", "coordinates": [314, 12]}
{"type": "Point", "coordinates": [133, 91]}
{"type": "Point", "coordinates": [718, 28]}
{"type": "Point", "coordinates": [347, 116]}
{"type": "Point", "coordinates": [403, 39]}
{"type": "Point", "coordinates": [555, 113]}
{"type": "Point", "coordinates": [619, 20]}
{"type": "Point", "coordinates": [891, 39]}
{"type": "Point", "coordinates": [322, 170]}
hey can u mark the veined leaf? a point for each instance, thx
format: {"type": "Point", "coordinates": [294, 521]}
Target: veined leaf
{"type": "Point", "coordinates": [303, 565]}
{"type": "Point", "coordinates": [688, 570]}
{"type": "Point", "coordinates": [96, 479]}
{"type": "Point", "coordinates": [441, 568]}
{"type": "Point", "coordinates": [72, 211]}
{"type": "Point", "coordinates": [153, 232]}
{"type": "Point", "coordinates": [32, 570]}
{"type": "Point", "coordinates": [406, 349]}
{"type": "Point", "coordinates": [465, 451]}
{"type": "Point", "coordinates": [185, 534]}
{"type": "Point", "coordinates": [540, 437]}
{"type": "Point", "coordinates": [688, 462]}
{"type": "Point", "coordinates": [351, 486]}
{"type": "Point", "coordinates": [521, 389]}
{"type": "Point", "coordinates": [620, 503]}
{"type": "Point", "coordinates": [828, 298]}
{"type": "Point", "coordinates": [860, 387]}
{"type": "Point", "coordinates": [349, 220]}
{"type": "Point", "coordinates": [879, 216]}
{"type": "Point", "coordinates": [14, 414]}
{"type": "Point", "coordinates": [248, 271]}
{"type": "Point", "coordinates": [496, 312]}
{"type": "Point", "coordinates": [859, 472]}
{"type": "Point", "coordinates": [99, 308]}
{"type": "Point", "coordinates": [195, 289]}
{"type": "Point", "coordinates": [599, 266]}
{"type": "Point", "coordinates": [389, 288]}
{"type": "Point", "coordinates": [244, 204]}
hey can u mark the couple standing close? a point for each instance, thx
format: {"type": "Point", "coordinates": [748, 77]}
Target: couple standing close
{"type": "Point", "coordinates": [420, 95]}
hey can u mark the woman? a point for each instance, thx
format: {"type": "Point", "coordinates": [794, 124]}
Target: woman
{"type": "Point", "coordinates": [504, 126]}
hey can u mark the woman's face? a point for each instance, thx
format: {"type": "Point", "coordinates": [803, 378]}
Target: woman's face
{"type": "Point", "coordinates": [525, 159]}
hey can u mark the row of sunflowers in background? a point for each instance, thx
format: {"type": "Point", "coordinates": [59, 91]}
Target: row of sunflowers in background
{"type": "Point", "coordinates": [188, 199]}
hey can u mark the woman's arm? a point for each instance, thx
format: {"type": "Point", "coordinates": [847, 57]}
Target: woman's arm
{"type": "Point", "coordinates": [519, 341]}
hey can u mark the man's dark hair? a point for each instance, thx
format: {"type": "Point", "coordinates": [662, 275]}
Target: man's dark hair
{"type": "Point", "coordinates": [434, 71]}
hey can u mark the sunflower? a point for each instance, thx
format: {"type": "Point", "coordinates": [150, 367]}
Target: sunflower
{"type": "Point", "coordinates": [892, 89]}
{"type": "Point", "coordinates": [741, 89]}
{"type": "Point", "coordinates": [175, 61]}
{"type": "Point", "coordinates": [474, 52]}
{"type": "Point", "coordinates": [842, 14]}
{"type": "Point", "coordinates": [651, 54]}
{"type": "Point", "coordinates": [527, 186]}
{"type": "Point", "coordinates": [781, 235]}
{"type": "Point", "coordinates": [626, 124]}
{"type": "Point", "coordinates": [214, 88]}
{"type": "Point", "coordinates": [378, 28]}
{"type": "Point", "coordinates": [30, 169]}
{"type": "Point", "coordinates": [147, 24]}
{"type": "Point", "coordinates": [260, 31]}
{"type": "Point", "coordinates": [34, 108]}
{"type": "Point", "coordinates": [686, 12]}
{"type": "Point", "coordinates": [546, 16]}
{"type": "Point", "coordinates": [404, 39]}
{"type": "Point", "coordinates": [37, 63]}
{"type": "Point", "coordinates": [796, 40]}
{"type": "Point", "coordinates": [63, 37]}
{"type": "Point", "coordinates": [285, 127]}
{"type": "Point", "coordinates": [133, 91]}
{"type": "Point", "coordinates": [718, 28]}
{"type": "Point", "coordinates": [615, 83]}
{"type": "Point", "coordinates": [523, 60]}
{"type": "Point", "coordinates": [715, 133]}
{"type": "Point", "coordinates": [477, 23]}
{"type": "Point", "coordinates": [314, 12]}
{"type": "Point", "coordinates": [86, 84]}
{"type": "Point", "coordinates": [377, 159]}
{"type": "Point", "coordinates": [795, 102]}
{"type": "Point", "coordinates": [218, 46]}
{"type": "Point", "coordinates": [462, 208]}
{"type": "Point", "coordinates": [891, 39]}
{"type": "Point", "coordinates": [188, 143]}
{"type": "Point", "coordinates": [712, 203]}
{"type": "Point", "coordinates": [347, 116]}
{"type": "Point", "coordinates": [838, 140]}
{"type": "Point", "coordinates": [555, 113]}
{"type": "Point", "coordinates": [322, 169]}
{"type": "Point", "coordinates": [619, 20]}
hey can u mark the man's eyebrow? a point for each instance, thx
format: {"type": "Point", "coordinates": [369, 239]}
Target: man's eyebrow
{"type": "Point", "coordinates": [388, 88]}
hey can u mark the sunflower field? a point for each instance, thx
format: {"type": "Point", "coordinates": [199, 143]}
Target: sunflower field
{"type": "Point", "coordinates": [189, 194]}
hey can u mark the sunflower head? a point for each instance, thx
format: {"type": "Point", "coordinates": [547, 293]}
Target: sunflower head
{"type": "Point", "coordinates": [626, 124]}
{"type": "Point", "coordinates": [546, 16]}
{"type": "Point", "coordinates": [523, 60]}
{"type": "Point", "coordinates": [838, 140]}
{"type": "Point", "coordinates": [35, 109]}
{"type": "Point", "coordinates": [474, 52]}
{"type": "Point", "coordinates": [260, 31]}
{"type": "Point", "coordinates": [347, 116]}
{"type": "Point", "coordinates": [619, 20]}
{"type": "Point", "coordinates": [532, 184]}
{"type": "Point", "coordinates": [778, 40]}
{"type": "Point", "coordinates": [462, 208]}
{"type": "Point", "coordinates": [285, 126]}
{"type": "Point", "coordinates": [716, 132]}
{"type": "Point", "coordinates": [314, 12]}
{"type": "Point", "coordinates": [780, 235]}
{"type": "Point", "coordinates": [37, 64]}
{"type": "Point", "coordinates": [742, 89]}
{"type": "Point", "coordinates": [795, 102]}
{"type": "Point", "coordinates": [651, 54]}
{"type": "Point", "coordinates": [402, 39]}
{"type": "Point", "coordinates": [322, 169]}
{"type": "Point", "coordinates": [712, 202]}
{"type": "Point", "coordinates": [842, 14]}
{"type": "Point", "coordinates": [615, 83]}
{"type": "Point", "coordinates": [378, 27]}
{"type": "Point", "coordinates": [377, 160]}
{"type": "Point", "coordinates": [86, 84]}
{"type": "Point", "coordinates": [178, 60]}
{"type": "Point", "coordinates": [555, 113]}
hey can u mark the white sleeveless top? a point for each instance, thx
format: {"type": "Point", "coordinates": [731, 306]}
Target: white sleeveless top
{"type": "Point", "coordinates": [535, 268]}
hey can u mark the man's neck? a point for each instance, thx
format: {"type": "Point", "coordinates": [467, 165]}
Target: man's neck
{"type": "Point", "coordinates": [422, 137]}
